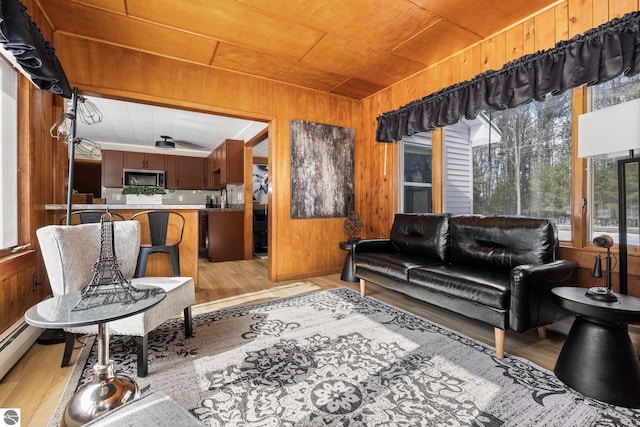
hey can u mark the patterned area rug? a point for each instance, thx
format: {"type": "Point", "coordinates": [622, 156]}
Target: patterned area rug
{"type": "Point", "coordinates": [334, 358]}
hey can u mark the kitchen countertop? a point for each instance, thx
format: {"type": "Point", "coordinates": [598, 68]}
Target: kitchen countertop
{"type": "Point", "coordinates": [228, 208]}
{"type": "Point", "coordinates": [120, 206]}
{"type": "Point", "coordinates": [123, 206]}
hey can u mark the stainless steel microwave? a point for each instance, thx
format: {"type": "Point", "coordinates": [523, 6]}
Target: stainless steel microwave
{"type": "Point", "coordinates": [143, 177]}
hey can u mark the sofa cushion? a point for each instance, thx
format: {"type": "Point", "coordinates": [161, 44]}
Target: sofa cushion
{"type": "Point", "coordinates": [426, 235]}
{"type": "Point", "coordinates": [501, 242]}
{"type": "Point", "coordinates": [395, 265]}
{"type": "Point", "coordinates": [488, 287]}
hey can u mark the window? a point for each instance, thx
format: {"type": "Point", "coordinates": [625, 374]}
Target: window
{"type": "Point", "coordinates": [416, 179]}
{"type": "Point", "coordinates": [512, 162]}
{"type": "Point", "coordinates": [603, 188]}
{"type": "Point", "coordinates": [9, 156]}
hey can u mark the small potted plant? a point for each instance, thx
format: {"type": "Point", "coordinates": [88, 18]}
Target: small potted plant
{"type": "Point", "coordinates": [143, 195]}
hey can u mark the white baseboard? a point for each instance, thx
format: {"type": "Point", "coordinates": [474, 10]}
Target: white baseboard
{"type": "Point", "coordinates": [14, 343]}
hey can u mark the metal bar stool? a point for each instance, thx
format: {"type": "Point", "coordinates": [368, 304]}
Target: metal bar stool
{"type": "Point", "coordinates": [165, 231]}
{"type": "Point", "coordinates": [89, 216]}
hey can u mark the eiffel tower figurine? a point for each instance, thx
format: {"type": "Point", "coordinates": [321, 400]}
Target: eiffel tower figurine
{"type": "Point", "coordinates": [108, 284]}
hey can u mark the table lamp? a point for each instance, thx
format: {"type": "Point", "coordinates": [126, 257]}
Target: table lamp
{"type": "Point", "coordinates": [602, 293]}
{"type": "Point", "coordinates": [613, 132]}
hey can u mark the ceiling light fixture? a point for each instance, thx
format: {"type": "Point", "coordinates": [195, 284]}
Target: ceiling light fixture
{"type": "Point", "coordinates": [166, 142]}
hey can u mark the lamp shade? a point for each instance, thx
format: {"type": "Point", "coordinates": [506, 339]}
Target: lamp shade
{"type": "Point", "coordinates": [611, 131]}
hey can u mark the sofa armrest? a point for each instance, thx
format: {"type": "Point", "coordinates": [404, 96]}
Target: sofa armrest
{"type": "Point", "coordinates": [531, 304]}
{"type": "Point", "coordinates": [373, 245]}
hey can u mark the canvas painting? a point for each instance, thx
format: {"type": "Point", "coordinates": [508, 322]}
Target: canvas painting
{"type": "Point", "coordinates": [260, 181]}
{"type": "Point", "coordinates": [322, 182]}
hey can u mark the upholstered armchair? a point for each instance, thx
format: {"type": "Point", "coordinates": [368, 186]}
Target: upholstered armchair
{"type": "Point", "coordinates": [69, 253]}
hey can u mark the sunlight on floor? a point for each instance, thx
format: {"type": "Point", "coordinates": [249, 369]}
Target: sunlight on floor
{"type": "Point", "coordinates": [290, 289]}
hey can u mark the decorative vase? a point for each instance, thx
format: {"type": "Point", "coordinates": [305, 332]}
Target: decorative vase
{"type": "Point", "coordinates": [143, 199]}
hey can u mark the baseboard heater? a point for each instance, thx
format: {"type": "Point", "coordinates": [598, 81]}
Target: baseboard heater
{"type": "Point", "coordinates": [14, 343]}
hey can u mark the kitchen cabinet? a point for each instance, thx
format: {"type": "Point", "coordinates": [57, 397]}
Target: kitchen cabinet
{"type": "Point", "coordinates": [184, 173]}
{"type": "Point", "coordinates": [149, 161]}
{"type": "Point", "coordinates": [112, 165]}
{"type": "Point", "coordinates": [226, 235]}
{"type": "Point", "coordinates": [209, 168]}
{"type": "Point", "coordinates": [228, 163]}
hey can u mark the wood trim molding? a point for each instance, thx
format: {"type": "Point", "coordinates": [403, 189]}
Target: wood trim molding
{"type": "Point", "coordinates": [578, 173]}
{"type": "Point", "coordinates": [264, 134]}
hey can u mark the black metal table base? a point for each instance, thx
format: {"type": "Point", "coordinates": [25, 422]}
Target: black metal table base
{"type": "Point", "coordinates": [599, 360]}
{"type": "Point", "coordinates": [347, 268]}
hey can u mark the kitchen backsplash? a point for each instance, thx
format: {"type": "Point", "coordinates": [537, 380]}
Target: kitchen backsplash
{"type": "Point", "coordinates": [235, 196]}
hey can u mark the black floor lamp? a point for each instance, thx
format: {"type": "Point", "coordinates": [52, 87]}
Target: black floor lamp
{"type": "Point", "coordinates": [627, 169]}
{"type": "Point", "coordinates": [614, 132]}
{"type": "Point", "coordinates": [66, 127]}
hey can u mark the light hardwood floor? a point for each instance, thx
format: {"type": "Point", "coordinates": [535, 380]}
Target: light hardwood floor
{"type": "Point", "coordinates": [36, 382]}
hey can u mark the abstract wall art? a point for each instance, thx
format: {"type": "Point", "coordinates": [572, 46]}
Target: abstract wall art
{"type": "Point", "coordinates": [322, 161]}
{"type": "Point", "coordinates": [260, 181]}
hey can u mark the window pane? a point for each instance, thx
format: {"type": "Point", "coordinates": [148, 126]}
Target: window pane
{"type": "Point", "coordinates": [417, 200]}
{"type": "Point", "coordinates": [416, 173]}
{"type": "Point", "coordinates": [603, 199]}
{"type": "Point", "coordinates": [521, 161]}
{"type": "Point", "coordinates": [9, 155]}
{"type": "Point", "coordinates": [417, 164]}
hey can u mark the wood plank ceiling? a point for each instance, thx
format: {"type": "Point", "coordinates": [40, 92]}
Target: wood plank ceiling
{"type": "Point", "coordinates": [352, 48]}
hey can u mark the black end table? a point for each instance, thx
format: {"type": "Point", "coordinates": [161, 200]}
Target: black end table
{"type": "Point", "coordinates": [598, 358]}
{"type": "Point", "coordinates": [347, 268]}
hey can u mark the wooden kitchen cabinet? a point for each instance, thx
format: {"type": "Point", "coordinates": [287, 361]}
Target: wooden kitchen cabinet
{"type": "Point", "coordinates": [209, 168]}
{"type": "Point", "coordinates": [184, 172]}
{"type": "Point", "coordinates": [111, 168]}
{"type": "Point", "coordinates": [149, 161]}
{"type": "Point", "coordinates": [226, 235]}
{"type": "Point", "coordinates": [228, 161]}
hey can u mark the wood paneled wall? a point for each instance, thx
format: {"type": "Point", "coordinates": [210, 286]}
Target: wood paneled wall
{"type": "Point", "coordinates": [36, 149]}
{"type": "Point", "coordinates": [542, 31]}
{"type": "Point", "coordinates": [309, 247]}
{"type": "Point", "coordinates": [297, 247]}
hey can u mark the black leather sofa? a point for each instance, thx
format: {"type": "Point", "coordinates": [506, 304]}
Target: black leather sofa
{"type": "Point", "coordinates": [496, 269]}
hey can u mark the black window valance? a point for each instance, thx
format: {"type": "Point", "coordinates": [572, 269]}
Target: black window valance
{"type": "Point", "coordinates": [596, 56]}
{"type": "Point", "coordinates": [22, 37]}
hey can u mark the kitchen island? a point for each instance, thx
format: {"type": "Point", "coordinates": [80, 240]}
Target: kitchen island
{"type": "Point", "coordinates": [158, 263]}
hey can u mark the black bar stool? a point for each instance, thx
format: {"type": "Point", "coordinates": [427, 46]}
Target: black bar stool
{"type": "Point", "coordinates": [165, 231]}
{"type": "Point", "coordinates": [89, 216]}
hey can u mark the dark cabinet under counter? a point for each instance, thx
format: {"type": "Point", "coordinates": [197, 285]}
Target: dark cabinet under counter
{"type": "Point", "coordinates": [226, 235]}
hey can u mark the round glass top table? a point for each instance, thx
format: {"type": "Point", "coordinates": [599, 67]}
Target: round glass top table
{"type": "Point", "coordinates": [107, 390]}
{"type": "Point", "coordinates": [64, 311]}
{"type": "Point", "coordinates": [598, 358]}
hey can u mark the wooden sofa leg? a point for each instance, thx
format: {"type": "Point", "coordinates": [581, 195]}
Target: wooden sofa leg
{"type": "Point", "coordinates": [499, 334]}
{"type": "Point", "coordinates": [542, 332]}
{"type": "Point", "coordinates": [362, 286]}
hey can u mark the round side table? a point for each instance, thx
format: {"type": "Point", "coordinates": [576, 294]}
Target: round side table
{"type": "Point", "coordinates": [598, 358]}
{"type": "Point", "coordinates": [108, 389]}
{"type": "Point", "coordinates": [347, 268]}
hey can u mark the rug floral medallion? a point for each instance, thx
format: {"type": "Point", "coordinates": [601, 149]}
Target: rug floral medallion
{"type": "Point", "coordinates": [334, 358]}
